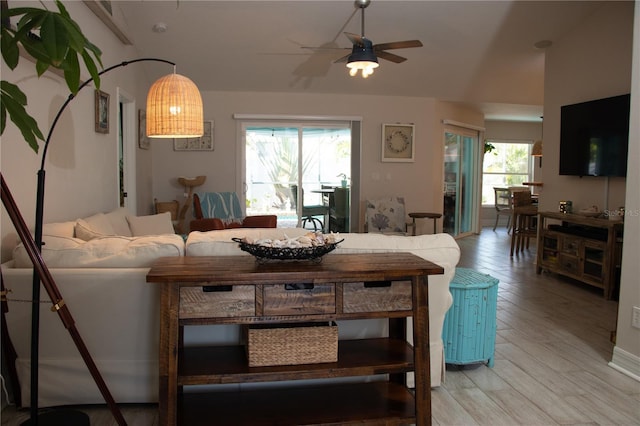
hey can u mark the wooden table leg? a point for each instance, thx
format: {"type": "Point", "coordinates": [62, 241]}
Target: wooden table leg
{"type": "Point", "coordinates": [421, 352]}
{"type": "Point", "coordinates": [398, 330]}
{"type": "Point", "coordinates": [168, 354]}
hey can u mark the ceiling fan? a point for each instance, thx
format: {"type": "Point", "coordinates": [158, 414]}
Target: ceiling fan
{"type": "Point", "coordinates": [364, 54]}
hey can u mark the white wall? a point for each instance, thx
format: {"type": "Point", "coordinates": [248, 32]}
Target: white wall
{"type": "Point", "coordinates": [592, 62]}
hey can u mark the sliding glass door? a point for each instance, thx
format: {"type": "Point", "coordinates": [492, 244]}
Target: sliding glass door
{"type": "Point", "coordinates": [287, 162]}
{"type": "Point", "coordinates": [461, 177]}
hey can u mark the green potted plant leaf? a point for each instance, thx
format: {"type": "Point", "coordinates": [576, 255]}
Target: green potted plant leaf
{"type": "Point", "coordinates": [52, 39]}
{"type": "Point", "coordinates": [344, 181]}
{"type": "Point", "coordinates": [488, 147]}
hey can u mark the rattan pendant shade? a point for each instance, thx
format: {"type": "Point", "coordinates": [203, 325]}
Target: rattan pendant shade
{"type": "Point", "coordinates": [536, 149]}
{"type": "Point", "coordinates": [174, 108]}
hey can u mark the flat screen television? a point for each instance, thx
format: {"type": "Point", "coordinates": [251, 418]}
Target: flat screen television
{"type": "Point", "coordinates": [594, 137]}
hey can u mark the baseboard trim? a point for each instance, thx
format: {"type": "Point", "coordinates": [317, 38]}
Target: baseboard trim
{"type": "Point", "coordinates": [626, 363]}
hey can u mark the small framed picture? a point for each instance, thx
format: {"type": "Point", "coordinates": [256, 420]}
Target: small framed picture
{"type": "Point", "coordinates": [398, 142]}
{"type": "Point", "coordinates": [102, 112]}
{"type": "Point", "coordinates": [143, 140]}
{"type": "Point", "coordinates": [203, 143]}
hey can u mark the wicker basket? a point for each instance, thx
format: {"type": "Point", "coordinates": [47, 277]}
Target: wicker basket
{"type": "Point", "coordinates": [291, 344]}
{"type": "Point", "coordinates": [263, 254]}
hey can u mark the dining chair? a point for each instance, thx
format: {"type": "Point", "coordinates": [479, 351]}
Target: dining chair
{"type": "Point", "coordinates": [309, 214]}
{"type": "Point", "coordinates": [524, 221]}
{"type": "Point", "coordinates": [339, 210]}
{"type": "Point", "coordinates": [169, 206]}
{"type": "Point", "coordinates": [502, 202]}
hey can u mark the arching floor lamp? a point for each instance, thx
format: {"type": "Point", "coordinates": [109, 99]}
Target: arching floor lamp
{"type": "Point", "coordinates": [174, 110]}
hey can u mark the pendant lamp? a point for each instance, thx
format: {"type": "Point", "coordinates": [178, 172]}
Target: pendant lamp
{"type": "Point", "coordinates": [536, 149]}
{"type": "Point", "coordinates": [174, 108]}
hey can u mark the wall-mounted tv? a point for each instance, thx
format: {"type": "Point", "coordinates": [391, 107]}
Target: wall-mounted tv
{"type": "Point", "coordinates": [594, 137]}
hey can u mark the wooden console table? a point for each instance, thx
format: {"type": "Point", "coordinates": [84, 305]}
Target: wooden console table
{"type": "Point", "coordinates": [238, 290]}
{"type": "Point", "coordinates": [583, 248]}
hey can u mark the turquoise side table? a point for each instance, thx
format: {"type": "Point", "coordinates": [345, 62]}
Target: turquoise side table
{"type": "Point", "coordinates": [469, 333]}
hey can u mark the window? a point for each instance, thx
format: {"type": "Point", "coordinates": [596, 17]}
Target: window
{"type": "Point", "coordinates": [313, 156]}
{"type": "Point", "coordinates": [278, 157]}
{"type": "Point", "coordinates": [509, 164]}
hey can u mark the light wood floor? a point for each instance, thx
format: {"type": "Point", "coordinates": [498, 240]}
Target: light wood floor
{"type": "Point", "coordinates": [552, 349]}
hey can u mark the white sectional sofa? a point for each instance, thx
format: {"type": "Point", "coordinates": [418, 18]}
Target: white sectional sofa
{"type": "Point", "coordinates": [103, 282]}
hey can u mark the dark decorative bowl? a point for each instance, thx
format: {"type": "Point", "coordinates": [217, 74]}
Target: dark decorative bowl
{"type": "Point", "coordinates": [263, 253]}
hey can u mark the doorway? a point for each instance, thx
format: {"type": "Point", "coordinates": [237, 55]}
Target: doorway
{"type": "Point", "coordinates": [311, 159]}
{"type": "Point", "coordinates": [126, 155]}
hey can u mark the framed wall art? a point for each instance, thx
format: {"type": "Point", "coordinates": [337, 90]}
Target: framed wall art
{"type": "Point", "coordinates": [203, 143]}
{"type": "Point", "coordinates": [143, 140]}
{"type": "Point", "coordinates": [398, 142]}
{"type": "Point", "coordinates": [102, 112]}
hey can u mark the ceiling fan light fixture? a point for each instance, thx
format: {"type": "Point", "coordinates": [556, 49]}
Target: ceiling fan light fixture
{"type": "Point", "coordinates": [362, 58]}
{"type": "Point", "coordinates": [366, 67]}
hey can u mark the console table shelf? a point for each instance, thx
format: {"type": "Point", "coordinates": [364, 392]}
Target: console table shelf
{"type": "Point", "coordinates": [355, 358]}
{"type": "Point", "coordinates": [583, 248]}
{"type": "Point", "coordinates": [378, 402]}
{"type": "Point", "coordinates": [239, 290]}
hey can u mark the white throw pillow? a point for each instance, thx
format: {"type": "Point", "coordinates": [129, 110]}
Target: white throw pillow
{"type": "Point", "coordinates": [118, 219]}
{"type": "Point", "coordinates": [155, 224]}
{"type": "Point", "coordinates": [93, 227]}
{"type": "Point", "coordinates": [59, 229]}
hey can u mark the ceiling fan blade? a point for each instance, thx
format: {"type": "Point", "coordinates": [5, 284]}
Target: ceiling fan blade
{"type": "Point", "coordinates": [329, 46]}
{"type": "Point", "coordinates": [324, 49]}
{"type": "Point", "coordinates": [390, 57]}
{"type": "Point", "coordinates": [343, 59]}
{"type": "Point", "coordinates": [355, 39]}
{"type": "Point", "coordinates": [398, 45]}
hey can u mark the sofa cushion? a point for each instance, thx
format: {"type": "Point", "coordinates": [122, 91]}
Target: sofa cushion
{"type": "Point", "coordinates": [219, 243]}
{"type": "Point", "coordinates": [118, 220]}
{"type": "Point", "coordinates": [438, 248]}
{"type": "Point", "coordinates": [155, 224]}
{"type": "Point", "coordinates": [214, 223]}
{"type": "Point", "coordinates": [60, 229]}
{"type": "Point", "coordinates": [441, 249]}
{"type": "Point", "coordinates": [103, 252]}
{"type": "Point", "coordinates": [93, 227]}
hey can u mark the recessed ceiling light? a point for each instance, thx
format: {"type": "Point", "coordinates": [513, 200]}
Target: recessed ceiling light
{"type": "Point", "coordinates": [543, 44]}
{"type": "Point", "coordinates": [160, 27]}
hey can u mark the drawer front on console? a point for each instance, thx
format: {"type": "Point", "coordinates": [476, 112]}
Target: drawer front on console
{"type": "Point", "coordinates": [377, 296]}
{"type": "Point", "coordinates": [569, 264]}
{"type": "Point", "coordinates": [571, 245]}
{"type": "Point", "coordinates": [217, 301]}
{"type": "Point", "coordinates": [299, 299]}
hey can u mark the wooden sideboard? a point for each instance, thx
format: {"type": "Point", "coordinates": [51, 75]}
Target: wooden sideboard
{"type": "Point", "coordinates": [239, 290]}
{"type": "Point", "coordinates": [580, 247]}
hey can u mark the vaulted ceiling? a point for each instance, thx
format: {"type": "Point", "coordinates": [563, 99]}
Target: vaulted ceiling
{"type": "Point", "coordinates": [476, 52]}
